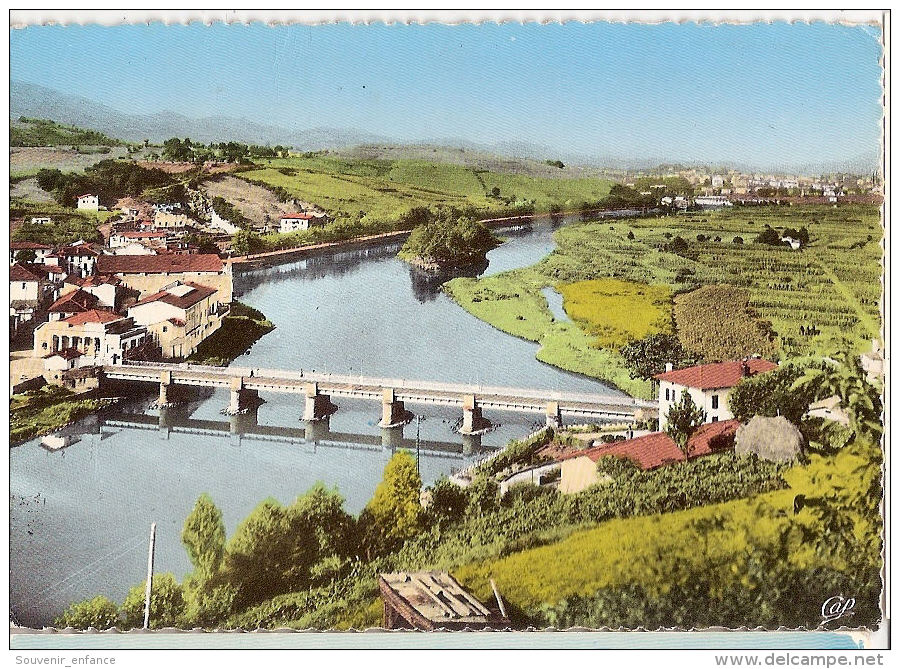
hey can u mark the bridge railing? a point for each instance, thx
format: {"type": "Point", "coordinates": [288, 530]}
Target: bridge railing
{"type": "Point", "coordinates": [541, 395]}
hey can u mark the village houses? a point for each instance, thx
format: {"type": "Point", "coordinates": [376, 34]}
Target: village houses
{"type": "Point", "coordinates": [152, 273]}
{"type": "Point", "coordinates": [180, 316]}
{"type": "Point", "coordinates": [100, 337]}
{"type": "Point", "coordinates": [78, 259]}
{"type": "Point", "coordinates": [28, 252]}
{"type": "Point", "coordinates": [30, 289]}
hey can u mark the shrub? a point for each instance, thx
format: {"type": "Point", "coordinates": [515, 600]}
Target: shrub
{"type": "Point", "coordinates": [99, 613]}
{"type": "Point", "coordinates": [166, 604]}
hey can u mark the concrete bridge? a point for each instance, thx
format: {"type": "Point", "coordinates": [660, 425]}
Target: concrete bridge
{"type": "Point", "coordinates": [317, 389]}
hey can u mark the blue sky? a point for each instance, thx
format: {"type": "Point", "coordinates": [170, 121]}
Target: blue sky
{"type": "Point", "coordinates": [759, 94]}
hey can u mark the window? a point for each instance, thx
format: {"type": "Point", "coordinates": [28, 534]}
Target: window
{"type": "Point", "coordinates": [44, 346]}
{"type": "Point", "coordinates": [23, 285]}
{"type": "Point", "coordinates": [667, 394]}
{"type": "Point", "coordinates": [165, 328]}
{"type": "Point", "coordinates": [715, 419]}
{"type": "Point", "coordinates": [715, 401]}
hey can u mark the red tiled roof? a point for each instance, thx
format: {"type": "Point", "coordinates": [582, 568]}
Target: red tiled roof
{"type": "Point", "coordinates": [158, 264]}
{"type": "Point", "coordinates": [658, 449]}
{"type": "Point", "coordinates": [66, 354]}
{"type": "Point", "coordinates": [92, 280]}
{"type": "Point", "coordinates": [20, 272]}
{"type": "Point", "coordinates": [86, 195]}
{"type": "Point", "coordinates": [80, 250]}
{"type": "Point", "coordinates": [303, 216]}
{"type": "Point", "coordinates": [29, 246]}
{"type": "Point", "coordinates": [182, 302]}
{"type": "Point", "coordinates": [92, 316]}
{"type": "Point", "coordinates": [74, 302]}
{"type": "Point", "coordinates": [177, 322]}
{"type": "Point", "coordinates": [717, 375]}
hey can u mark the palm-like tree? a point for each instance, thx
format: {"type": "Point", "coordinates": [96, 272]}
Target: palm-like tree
{"type": "Point", "coordinates": [858, 396]}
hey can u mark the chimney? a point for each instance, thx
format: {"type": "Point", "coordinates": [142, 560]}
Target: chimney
{"type": "Point", "coordinates": [745, 368]}
{"type": "Point", "coordinates": [668, 366]}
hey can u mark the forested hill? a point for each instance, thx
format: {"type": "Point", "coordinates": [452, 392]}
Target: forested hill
{"type": "Point", "coordinates": [27, 131]}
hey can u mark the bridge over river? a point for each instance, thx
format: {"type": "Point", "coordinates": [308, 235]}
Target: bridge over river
{"type": "Point", "coordinates": [317, 389]}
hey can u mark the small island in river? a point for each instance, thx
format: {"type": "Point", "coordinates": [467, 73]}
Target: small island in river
{"type": "Point", "coordinates": [447, 239]}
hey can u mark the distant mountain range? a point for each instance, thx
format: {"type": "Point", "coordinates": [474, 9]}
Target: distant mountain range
{"type": "Point", "coordinates": [32, 100]}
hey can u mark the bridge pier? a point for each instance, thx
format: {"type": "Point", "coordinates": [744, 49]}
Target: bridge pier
{"type": "Point", "coordinates": [239, 423]}
{"type": "Point", "coordinates": [393, 413]}
{"type": "Point", "coordinates": [554, 415]}
{"type": "Point", "coordinates": [391, 438]}
{"type": "Point", "coordinates": [473, 421]}
{"type": "Point", "coordinates": [165, 381]}
{"type": "Point", "coordinates": [317, 406]}
{"type": "Point", "coordinates": [242, 399]}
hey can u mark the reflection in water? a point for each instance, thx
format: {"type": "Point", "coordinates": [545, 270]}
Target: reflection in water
{"type": "Point", "coordinates": [79, 515]}
{"type": "Point", "coordinates": [426, 285]}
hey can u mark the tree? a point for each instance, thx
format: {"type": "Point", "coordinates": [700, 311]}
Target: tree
{"type": "Point", "coordinates": [738, 240]}
{"type": "Point", "coordinates": [394, 513]}
{"type": "Point", "coordinates": [244, 242]}
{"type": "Point", "coordinates": [448, 500]}
{"type": "Point", "coordinates": [203, 537]}
{"type": "Point", "coordinates": [770, 394]}
{"type": "Point", "coordinates": [100, 613]}
{"type": "Point", "coordinates": [768, 236]}
{"type": "Point", "coordinates": [858, 396]}
{"type": "Point", "coordinates": [166, 603]}
{"type": "Point", "coordinates": [26, 255]}
{"type": "Point", "coordinates": [683, 419]}
{"type": "Point", "coordinates": [631, 234]}
{"type": "Point", "coordinates": [648, 356]}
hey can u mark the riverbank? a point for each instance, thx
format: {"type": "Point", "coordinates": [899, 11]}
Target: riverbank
{"type": "Point", "coordinates": [242, 328]}
{"type": "Point", "coordinates": [39, 412]}
{"type": "Point", "coordinates": [514, 303]}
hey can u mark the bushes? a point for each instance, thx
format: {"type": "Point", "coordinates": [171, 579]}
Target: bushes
{"type": "Point", "coordinates": [109, 179]}
{"type": "Point", "coordinates": [100, 613]}
{"type": "Point", "coordinates": [770, 394]}
{"type": "Point", "coordinates": [447, 236]}
{"type": "Point", "coordinates": [648, 356]}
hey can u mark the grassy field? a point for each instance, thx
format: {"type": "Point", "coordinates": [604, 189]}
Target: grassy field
{"type": "Point", "coordinates": [69, 224]}
{"type": "Point", "coordinates": [618, 312]}
{"type": "Point", "coordinates": [819, 300]}
{"type": "Point", "coordinates": [385, 189]}
{"type": "Point", "coordinates": [42, 411]}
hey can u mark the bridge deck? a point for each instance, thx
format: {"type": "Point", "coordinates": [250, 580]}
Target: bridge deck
{"type": "Point", "coordinates": [428, 392]}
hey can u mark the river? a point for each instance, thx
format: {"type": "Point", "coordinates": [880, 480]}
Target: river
{"type": "Point", "coordinates": [80, 516]}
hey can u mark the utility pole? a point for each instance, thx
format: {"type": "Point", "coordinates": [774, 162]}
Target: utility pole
{"type": "Point", "coordinates": [418, 418]}
{"type": "Point", "coordinates": [149, 576]}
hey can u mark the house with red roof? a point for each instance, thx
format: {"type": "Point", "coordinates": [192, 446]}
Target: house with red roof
{"type": "Point", "coordinates": [578, 469]}
{"type": "Point", "coordinates": [101, 336]}
{"type": "Point", "coordinates": [292, 222]}
{"type": "Point", "coordinates": [151, 273]}
{"type": "Point", "coordinates": [708, 385]}
{"type": "Point", "coordinates": [18, 251]}
{"type": "Point", "coordinates": [179, 317]}
{"type": "Point", "coordinates": [31, 287]}
{"type": "Point", "coordinates": [78, 259]}
{"type": "Point", "coordinates": [71, 303]}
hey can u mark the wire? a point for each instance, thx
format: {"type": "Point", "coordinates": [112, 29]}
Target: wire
{"type": "Point", "coordinates": [112, 556]}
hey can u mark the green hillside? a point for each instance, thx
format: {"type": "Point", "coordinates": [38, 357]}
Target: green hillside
{"type": "Point", "coordinates": [44, 132]}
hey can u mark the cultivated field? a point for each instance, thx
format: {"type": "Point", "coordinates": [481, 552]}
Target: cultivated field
{"type": "Point", "coordinates": [383, 190]}
{"type": "Point", "coordinates": [820, 300]}
{"type": "Point", "coordinates": [258, 204]}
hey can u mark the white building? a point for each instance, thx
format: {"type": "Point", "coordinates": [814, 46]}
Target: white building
{"type": "Point", "coordinates": [713, 201]}
{"type": "Point", "coordinates": [793, 243]}
{"type": "Point", "coordinates": [102, 337]}
{"type": "Point", "coordinates": [708, 386]}
{"type": "Point", "coordinates": [17, 249]}
{"type": "Point", "coordinates": [300, 221]}
{"type": "Point", "coordinates": [89, 202]}
{"type": "Point", "coordinates": [41, 220]}
{"type": "Point", "coordinates": [145, 237]}
{"type": "Point", "coordinates": [718, 181]}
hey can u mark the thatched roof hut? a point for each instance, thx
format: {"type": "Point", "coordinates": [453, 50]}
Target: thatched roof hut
{"type": "Point", "coordinates": [775, 439]}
